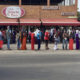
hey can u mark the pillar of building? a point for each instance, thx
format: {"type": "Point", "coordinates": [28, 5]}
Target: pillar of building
{"type": "Point", "coordinates": [48, 2]}
{"type": "Point", "coordinates": [76, 4]}
{"type": "Point", "coordinates": [19, 2]}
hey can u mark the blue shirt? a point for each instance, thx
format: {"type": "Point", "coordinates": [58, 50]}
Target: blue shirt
{"type": "Point", "coordinates": [0, 35]}
{"type": "Point", "coordinates": [8, 34]}
{"type": "Point", "coordinates": [39, 35]}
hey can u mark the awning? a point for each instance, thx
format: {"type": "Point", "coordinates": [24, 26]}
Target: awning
{"type": "Point", "coordinates": [60, 22]}
{"type": "Point", "coordinates": [9, 22]}
{"type": "Point", "coordinates": [30, 22]}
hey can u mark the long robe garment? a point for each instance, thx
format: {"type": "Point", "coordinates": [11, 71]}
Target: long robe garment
{"type": "Point", "coordinates": [1, 44]}
{"type": "Point", "coordinates": [23, 47]}
{"type": "Point", "coordinates": [71, 44]}
{"type": "Point", "coordinates": [77, 42]}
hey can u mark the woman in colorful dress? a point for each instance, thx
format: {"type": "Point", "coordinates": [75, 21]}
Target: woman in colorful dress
{"type": "Point", "coordinates": [71, 41]}
{"type": "Point", "coordinates": [77, 40]}
{"type": "Point", "coordinates": [23, 47]}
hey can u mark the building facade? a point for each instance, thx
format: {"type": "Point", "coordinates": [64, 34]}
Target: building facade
{"type": "Point", "coordinates": [40, 12]}
{"type": "Point", "coordinates": [43, 10]}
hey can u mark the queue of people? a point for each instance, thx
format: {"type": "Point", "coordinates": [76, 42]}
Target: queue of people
{"type": "Point", "coordinates": [56, 36]}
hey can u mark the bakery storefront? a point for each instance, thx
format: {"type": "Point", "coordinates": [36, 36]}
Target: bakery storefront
{"type": "Point", "coordinates": [13, 15]}
{"type": "Point", "coordinates": [38, 13]}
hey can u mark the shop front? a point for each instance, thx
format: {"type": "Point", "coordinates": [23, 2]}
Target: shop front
{"type": "Point", "coordinates": [35, 13]}
{"type": "Point", "coordinates": [16, 18]}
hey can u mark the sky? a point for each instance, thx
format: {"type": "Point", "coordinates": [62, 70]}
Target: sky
{"type": "Point", "coordinates": [79, 5]}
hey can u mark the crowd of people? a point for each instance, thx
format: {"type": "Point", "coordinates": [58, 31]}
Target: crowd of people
{"type": "Point", "coordinates": [55, 36]}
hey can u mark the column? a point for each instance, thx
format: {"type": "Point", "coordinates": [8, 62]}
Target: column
{"type": "Point", "coordinates": [19, 2]}
{"type": "Point", "coordinates": [48, 2]}
{"type": "Point", "coordinates": [76, 4]}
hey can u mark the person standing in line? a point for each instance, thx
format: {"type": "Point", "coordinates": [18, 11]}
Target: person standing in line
{"type": "Point", "coordinates": [51, 35]}
{"type": "Point", "coordinates": [58, 33]}
{"type": "Point", "coordinates": [29, 35]}
{"type": "Point", "coordinates": [61, 34]}
{"type": "Point", "coordinates": [39, 39]}
{"type": "Point", "coordinates": [1, 40]}
{"type": "Point", "coordinates": [65, 40]}
{"type": "Point", "coordinates": [46, 38]}
{"type": "Point", "coordinates": [55, 41]}
{"type": "Point", "coordinates": [24, 37]}
{"type": "Point", "coordinates": [18, 40]}
{"type": "Point", "coordinates": [77, 40]}
{"type": "Point", "coordinates": [36, 32]}
{"type": "Point", "coordinates": [71, 41]}
{"type": "Point", "coordinates": [8, 35]}
{"type": "Point", "coordinates": [13, 36]}
{"type": "Point", "coordinates": [73, 34]}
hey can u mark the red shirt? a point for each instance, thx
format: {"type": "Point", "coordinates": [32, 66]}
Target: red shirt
{"type": "Point", "coordinates": [4, 33]}
{"type": "Point", "coordinates": [46, 36]}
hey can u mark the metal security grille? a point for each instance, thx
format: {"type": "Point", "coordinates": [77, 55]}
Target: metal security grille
{"type": "Point", "coordinates": [9, 2]}
{"type": "Point", "coordinates": [55, 2]}
{"type": "Point", "coordinates": [34, 2]}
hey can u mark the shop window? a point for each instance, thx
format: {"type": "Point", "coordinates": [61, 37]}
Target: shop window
{"type": "Point", "coordinates": [55, 2]}
{"type": "Point", "coordinates": [62, 2]}
{"type": "Point", "coordinates": [69, 2]}
{"type": "Point", "coordinates": [9, 2]}
{"type": "Point", "coordinates": [34, 2]}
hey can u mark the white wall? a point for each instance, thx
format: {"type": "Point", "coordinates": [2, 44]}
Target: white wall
{"type": "Point", "coordinates": [79, 5]}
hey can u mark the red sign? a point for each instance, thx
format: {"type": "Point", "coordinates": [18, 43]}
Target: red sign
{"type": "Point", "coordinates": [13, 12]}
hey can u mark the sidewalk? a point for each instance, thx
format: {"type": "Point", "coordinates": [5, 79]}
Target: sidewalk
{"type": "Point", "coordinates": [40, 52]}
{"type": "Point", "coordinates": [51, 46]}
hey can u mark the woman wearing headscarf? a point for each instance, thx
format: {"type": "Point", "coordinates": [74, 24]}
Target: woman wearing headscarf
{"type": "Point", "coordinates": [77, 39]}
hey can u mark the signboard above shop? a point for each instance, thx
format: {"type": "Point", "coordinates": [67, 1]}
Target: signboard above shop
{"type": "Point", "coordinates": [13, 12]}
{"type": "Point", "coordinates": [50, 7]}
{"type": "Point", "coordinates": [68, 13]}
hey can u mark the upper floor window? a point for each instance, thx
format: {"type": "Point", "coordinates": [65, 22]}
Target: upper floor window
{"type": "Point", "coordinates": [55, 2]}
{"type": "Point", "coordinates": [34, 2]}
{"type": "Point", "coordinates": [9, 2]}
{"type": "Point", "coordinates": [62, 2]}
{"type": "Point", "coordinates": [69, 2]}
